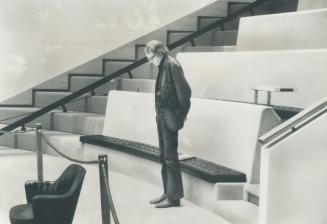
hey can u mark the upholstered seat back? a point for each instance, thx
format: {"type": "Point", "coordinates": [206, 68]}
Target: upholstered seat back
{"type": "Point", "coordinates": [59, 206]}
{"type": "Point", "coordinates": [70, 179]}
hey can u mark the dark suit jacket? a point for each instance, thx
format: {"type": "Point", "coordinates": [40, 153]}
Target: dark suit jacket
{"type": "Point", "coordinates": [173, 94]}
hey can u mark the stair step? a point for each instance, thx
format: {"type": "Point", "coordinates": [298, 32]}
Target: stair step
{"type": "Point", "coordinates": [71, 121]}
{"type": "Point", "coordinates": [137, 85]}
{"type": "Point", "coordinates": [8, 112]}
{"type": "Point", "coordinates": [67, 143]}
{"type": "Point", "coordinates": [24, 97]}
{"type": "Point", "coordinates": [252, 191]}
{"type": "Point", "coordinates": [208, 49]}
{"type": "Point", "coordinates": [7, 140]}
{"type": "Point", "coordinates": [205, 21]}
{"type": "Point", "coordinates": [126, 51]}
{"type": "Point", "coordinates": [269, 7]}
{"type": "Point", "coordinates": [85, 103]}
{"type": "Point", "coordinates": [235, 6]}
{"type": "Point", "coordinates": [78, 122]}
{"type": "Point", "coordinates": [190, 22]}
{"type": "Point", "coordinates": [215, 38]}
{"type": "Point", "coordinates": [92, 67]}
{"type": "Point", "coordinates": [143, 71]}
{"type": "Point", "coordinates": [78, 82]}
{"type": "Point", "coordinates": [238, 211]}
{"type": "Point", "coordinates": [58, 82]}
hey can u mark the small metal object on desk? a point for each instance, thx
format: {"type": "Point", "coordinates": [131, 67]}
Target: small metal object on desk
{"type": "Point", "coordinates": [268, 90]}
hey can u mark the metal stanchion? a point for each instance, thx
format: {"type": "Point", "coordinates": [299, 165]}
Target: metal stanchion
{"type": "Point", "coordinates": [39, 153]}
{"type": "Point", "coordinates": [105, 205]}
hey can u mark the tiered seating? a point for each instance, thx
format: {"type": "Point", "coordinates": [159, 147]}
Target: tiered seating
{"type": "Point", "coordinates": [298, 30]}
{"type": "Point", "coordinates": [224, 133]}
{"type": "Point", "coordinates": [231, 75]}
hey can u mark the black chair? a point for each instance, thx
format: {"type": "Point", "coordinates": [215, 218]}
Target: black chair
{"type": "Point", "coordinates": [50, 202]}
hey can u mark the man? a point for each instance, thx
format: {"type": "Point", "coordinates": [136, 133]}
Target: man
{"type": "Point", "coordinates": [172, 103]}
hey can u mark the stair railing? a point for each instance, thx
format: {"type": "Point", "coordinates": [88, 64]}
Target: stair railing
{"type": "Point", "coordinates": [90, 88]}
{"type": "Point", "coordinates": [295, 123]}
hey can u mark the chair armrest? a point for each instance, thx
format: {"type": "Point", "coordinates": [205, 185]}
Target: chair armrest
{"type": "Point", "coordinates": [33, 188]}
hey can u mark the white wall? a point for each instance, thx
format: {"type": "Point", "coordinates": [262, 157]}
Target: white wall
{"type": "Point", "coordinates": [293, 177]}
{"type": "Point", "coordinates": [40, 39]}
{"type": "Point", "coordinates": [311, 4]}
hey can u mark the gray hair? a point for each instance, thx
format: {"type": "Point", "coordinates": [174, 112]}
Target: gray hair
{"type": "Point", "coordinates": [156, 47]}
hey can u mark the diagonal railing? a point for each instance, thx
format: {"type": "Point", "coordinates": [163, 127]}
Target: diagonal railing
{"type": "Point", "coordinates": [127, 69]}
{"type": "Point", "coordinates": [295, 123]}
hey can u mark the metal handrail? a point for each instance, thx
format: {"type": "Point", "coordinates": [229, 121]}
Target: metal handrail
{"type": "Point", "coordinates": [127, 69]}
{"type": "Point", "coordinates": [296, 122]}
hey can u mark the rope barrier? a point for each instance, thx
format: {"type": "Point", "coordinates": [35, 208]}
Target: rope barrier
{"type": "Point", "coordinates": [109, 197]}
{"type": "Point", "coordinates": [65, 156]}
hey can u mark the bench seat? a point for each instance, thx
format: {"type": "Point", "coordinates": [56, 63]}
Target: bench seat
{"type": "Point", "coordinates": [200, 168]}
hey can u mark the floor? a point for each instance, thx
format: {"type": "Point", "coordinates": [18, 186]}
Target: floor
{"type": "Point", "coordinates": [130, 195]}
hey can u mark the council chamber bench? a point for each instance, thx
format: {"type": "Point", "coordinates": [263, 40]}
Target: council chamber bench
{"type": "Point", "coordinates": [219, 143]}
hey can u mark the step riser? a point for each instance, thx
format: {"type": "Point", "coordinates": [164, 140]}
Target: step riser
{"type": "Point", "coordinates": [92, 104]}
{"type": "Point", "coordinates": [78, 123]}
{"type": "Point", "coordinates": [6, 113]}
{"type": "Point", "coordinates": [233, 25]}
{"type": "Point", "coordinates": [218, 38]}
{"type": "Point", "coordinates": [80, 82]}
{"type": "Point", "coordinates": [209, 49]}
{"type": "Point", "coordinates": [22, 98]}
{"type": "Point", "coordinates": [43, 99]}
{"type": "Point", "coordinates": [96, 104]}
{"type": "Point", "coordinates": [143, 71]}
{"type": "Point", "coordinates": [147, 86]}
{"type": "Point", "coordinates": [59, 82]}
{"type": "Point", "coordinates": [92, 67]}
{"type": "Point", "coordinates": [67, 143]}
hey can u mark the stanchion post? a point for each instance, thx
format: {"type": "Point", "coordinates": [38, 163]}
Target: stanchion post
{"type": "Point", "coordinates": [105, 205]}
{"type": "Point", "coordinates": [39, 153]}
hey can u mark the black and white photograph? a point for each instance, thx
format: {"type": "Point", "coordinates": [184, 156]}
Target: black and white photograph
{"type": "Point", "coordinates": [163, 111]}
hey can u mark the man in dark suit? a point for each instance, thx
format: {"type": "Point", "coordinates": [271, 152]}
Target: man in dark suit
{"type": "Point", "coordinates": [172, 103]}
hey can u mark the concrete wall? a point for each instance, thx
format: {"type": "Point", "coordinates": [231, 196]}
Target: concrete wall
{"type": "Point", "coordinates": [293, 177]}
{"type": "Point", "coordinates": [42, 39]}
{"type": "Point", "coordinates": [311, 4]}
{"type": "Point", "coordinates": [297, 30]}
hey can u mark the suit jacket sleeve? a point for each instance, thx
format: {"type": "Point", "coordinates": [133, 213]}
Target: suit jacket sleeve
{"type": "Point", "coordinates": [183, 89]}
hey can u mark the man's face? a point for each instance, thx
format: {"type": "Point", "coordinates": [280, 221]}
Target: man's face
{"type": "Point", "coordinates": [153, 59]}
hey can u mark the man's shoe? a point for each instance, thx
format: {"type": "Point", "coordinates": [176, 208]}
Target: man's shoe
{"type": "Point", "coordinates": [158, 200]}
{"type": "Point", "coordinates": [168, 203]}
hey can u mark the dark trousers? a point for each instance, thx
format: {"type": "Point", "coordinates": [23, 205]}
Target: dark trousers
{"type": "Point", "coordinates": [170, 172]}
